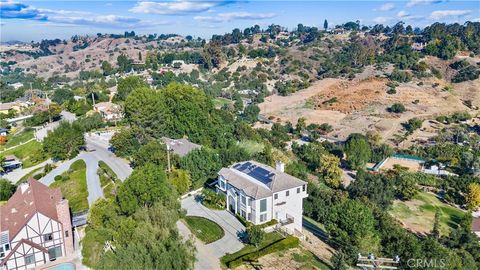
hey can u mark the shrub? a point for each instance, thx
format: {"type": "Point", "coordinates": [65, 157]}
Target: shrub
{"type": "Point", "coordinates": [400, 76]}
{"type": "Point", "coordinates": [412, 124]}
{"type": "Point", "coordinates": [281, 245]}
{"type": "Point", "coordinates": [469, 73]}
{"type": "Point", "coordinates": [58, 178]}
{"type": "Point", "coordinates": [397, 108]}
{"type": "Point", "coordinates": [255, 235]}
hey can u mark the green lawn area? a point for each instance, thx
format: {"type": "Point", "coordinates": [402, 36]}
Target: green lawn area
{"type": "Point", "coordinates": [418, 214]}
{"type": "Point", "coordinates": [220, 102]}
{"type": "Point", "coordinates": [30, 153]}
{"type": "Point", "coordinates": [204, 229]}
{"type": "Point", "coordinates": [252, 147]}
{"type": "Point", "coordinates": [15, 139]}
{"type": "Point", "coordinates": [74, 186]}
{"type": "Point", "coordinates": [269, 239]}
{"type": "Point", "coordinates": [108, 180]}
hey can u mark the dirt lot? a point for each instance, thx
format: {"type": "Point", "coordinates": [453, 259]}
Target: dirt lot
{"type": "Point", "coordinates": [361, 104]}
{"type": "Point", "coordinates": [412, 165]}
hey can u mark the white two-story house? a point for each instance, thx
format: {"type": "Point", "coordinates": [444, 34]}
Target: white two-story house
{"type": "Point", "coordinates": [35, 227]}
{"type": "Point", "coordinates": [260, 193]}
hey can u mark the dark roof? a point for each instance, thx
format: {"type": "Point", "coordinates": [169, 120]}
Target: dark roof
{"type": "Point", "coordinates": [258, 180]}
{"type": "Point", "coordinates": [31, 197]}
{"type": "Point", "coordinates": [180, 147]}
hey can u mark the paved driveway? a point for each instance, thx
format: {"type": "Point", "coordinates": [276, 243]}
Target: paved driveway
{"type": "Point", "coordinates": [230, 242]}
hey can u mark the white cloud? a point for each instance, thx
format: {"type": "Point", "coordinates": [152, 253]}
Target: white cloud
{"type": "Point", "coordinates": [386, 7]}
{"type": "Point", "coordinates": [173, 7]}
{"type": "Point", "coordinates": [475, 19]}
{"type": "Point", "coordinates": [224, 17]}
{"type": "Point", "coordinates": [442, 14]}
{"type": "Point", "coordinates": [413, 3]}
{"type": "Point", "coordinates": [381, 20]}
{"type": "Point", "coordinates": [403, 14]}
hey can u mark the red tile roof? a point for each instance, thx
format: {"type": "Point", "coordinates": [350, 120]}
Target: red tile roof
{"type": "Point", "coordinates": [30, 198]}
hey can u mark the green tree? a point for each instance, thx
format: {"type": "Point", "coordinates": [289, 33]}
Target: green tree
{"type": "Point", "coordinates": [358, 150]}
{"type": "Point", "coordinates": [436, 224]}
{"type": "Point", "coordinates": [145, 186]}
{"type": "Point", "coordinates": [325, 24]}
{"type": "Point", "coordinates": [255, 235]}
{"type": "Point", "coordinates": [250, 114]}
{"type": "Point", "coordinates": [127, 85]}
{"type": "Point", "coordinates": [152, 152]}
{"type": "Point", "coordinates": [6, 189]}
{"type": "Point", "coordinates": [65, 141]}
{"type": "Point", "coordinates": [330, 171]}
{"type": "Point", "coordinates": [397, 108]}
{"type": "Point", "coordinates": [125, 142]}
{"type": "Point", "coordinates": [181, 180]}
{"type": "Point", "coordinates": [62, 95]}
{"type": "Point", "coordinates": [124, 63]}
{"type": "Point", "coordinates": [203, 164]}
{"type": "Point", "coordinates": [473, 196]}
{"type": "Point", "coordinates": [107, 68]}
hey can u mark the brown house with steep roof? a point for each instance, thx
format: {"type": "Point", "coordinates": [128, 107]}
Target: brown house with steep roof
{"type": "Point", "coordinates": [35, 227]}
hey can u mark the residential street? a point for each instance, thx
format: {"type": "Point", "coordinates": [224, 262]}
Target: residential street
{"type": "Point", "coordinates": [42, 132]}
{"type": "Point", "coordinates": [96, 153]}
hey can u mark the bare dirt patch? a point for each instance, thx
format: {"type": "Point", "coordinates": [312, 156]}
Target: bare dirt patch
{"type": "Point", "coordinates": [361, 105]}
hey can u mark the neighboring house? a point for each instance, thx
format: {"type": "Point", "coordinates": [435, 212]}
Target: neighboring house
{"type": "Point", "coordinates": [476, 226]}
{"type": "Point", "coordinates": [109, 111]}
{"type": "Point", "coordinates": [180, 147]}
{"type": "Point", "coordinates": [35, 227]}
{"type": "Point", "coordinates": [11, 163]}
{"type": "Point", "coordinates": [260, 193]}
{"type": "Point", "coordinates": [16, 106]}
{"type": "Point", "coordinates": [16, 85]}
{"type": "Point", "coordinates": [4, 131]}
{"type": "Point", "coordinates": [437, 170]}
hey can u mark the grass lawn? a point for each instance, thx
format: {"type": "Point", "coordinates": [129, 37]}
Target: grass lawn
{"type": "Point", "coordinates": [269, 239]}
{"type": "Point", "coordinates": [252, 147]}
{"type": "Point", "coordinates": [204, 229]}
{"type": "Point", "coordinates": [15, 139]}
{"type": "Point", "coordinates": [30, 153]}
{"type": "Point", "coordinates": [74, 186]}
{"type": "Point", "coordinates": [418, 214]}
{"type": "Point", "coordinates": [220, 102]}
{"type": "Point", "coordinates": [108, 180]}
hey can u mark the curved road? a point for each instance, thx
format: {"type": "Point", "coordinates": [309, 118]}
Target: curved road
{"type": "Point", "coordinates": [97, 152]}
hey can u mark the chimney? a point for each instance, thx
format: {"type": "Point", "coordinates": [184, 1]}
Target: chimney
{"type": "Point", "coordinates": [63, 214]}
{"type": "Point", "coordinates": [279, 166]}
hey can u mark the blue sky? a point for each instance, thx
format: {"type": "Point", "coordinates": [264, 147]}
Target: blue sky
{"type": "Point", "coordinates": [36, 20]}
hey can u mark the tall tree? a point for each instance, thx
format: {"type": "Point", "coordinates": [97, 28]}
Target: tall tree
{"type": "Point", "coordinates": [127, 85]}
{"type": "Point", "coordinates": [330, 171]}
{"type": "Point", "coordinates": [358, 150]}
{"type": "Point", "coordinates": [325, 25]}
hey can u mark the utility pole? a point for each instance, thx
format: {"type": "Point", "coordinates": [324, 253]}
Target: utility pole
{"type": "Point", "coordinates": [168, 158]}
{"type": "Point", "coordinates": [370, 261]}
{"type": "Point", "coordinates": [93, 99]}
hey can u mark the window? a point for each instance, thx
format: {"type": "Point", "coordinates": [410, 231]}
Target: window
{"type": "Point", "coordinates": [7, 247]}
{"type": "Point", "coordinates": [2, 253]}
{"type": "Point", "coordinates": [47, 237]}
{"type": "Point", "coordinates": [298, 190]}
{"type": "Point", "coordinates": [243, 214]}
{"type": "Point", "coordinates": [54, 253]}
{"type": "Point", "coordinates": [263, 205]}
{"type": "Point", "coordinates": [275, 196]}
{"type": "Point", "coordinates": [249, 216]}
{"type": "Point", "coordinates": [287, 193]}
{"type": "Point", "coordinates": [263, 217]}
{"type": "Point", "coordinates": [244, 200]}
{"type": "Point", "coordinates": [222, 184]}
{"type": "Point", "coordinates": [304, 187]}
{"type": "Point", "coordinates": [29, 259]}
{"type": "Point", "coordinates": [249, 202]}
{"type": "Point", "coordinates": [66, 233]}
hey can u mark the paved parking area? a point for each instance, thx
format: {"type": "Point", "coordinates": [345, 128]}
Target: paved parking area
{"type": "Point", "coordinates": [232, 227]}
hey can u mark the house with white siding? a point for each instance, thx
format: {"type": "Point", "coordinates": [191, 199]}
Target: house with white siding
{"type": "Point", "coordinates": [260, 193]}
{"type": "Point", "coordinates": [35, 227]}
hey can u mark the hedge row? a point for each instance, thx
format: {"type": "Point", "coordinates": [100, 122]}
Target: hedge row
{"type": "Point", "coordinates": [284, 244]}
